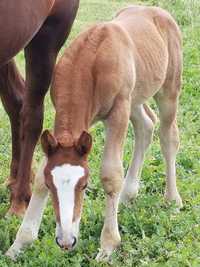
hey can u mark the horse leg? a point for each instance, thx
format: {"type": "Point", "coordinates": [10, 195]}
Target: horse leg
{"type": "Point", "coordinates": [169, 140]}
{"type": "Point", "coordinates": [29, 228]}
{"type": "Point", "coordinates": [12, 92]}
{"type": "Point", "coordinates": [167, 101]}
{"type": "Point", "coordinates": [143, 120]}
{"type": "Point", "coordinates": [40, 57]}
{"type": "Point", "coordinates": [112, 175]}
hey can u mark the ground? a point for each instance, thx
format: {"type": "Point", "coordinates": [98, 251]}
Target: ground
{"type": "Point", "coordinates": [152, 233]}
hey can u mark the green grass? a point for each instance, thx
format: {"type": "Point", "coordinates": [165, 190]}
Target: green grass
{"type": "Point", "coordinates": [152, 235]}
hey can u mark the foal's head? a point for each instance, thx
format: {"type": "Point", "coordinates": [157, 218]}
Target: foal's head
{"type": "Point", "coordinates": [66, 176]}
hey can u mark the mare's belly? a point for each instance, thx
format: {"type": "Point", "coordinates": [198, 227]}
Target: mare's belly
{"type": "Point", "coordinates": [19, 22]}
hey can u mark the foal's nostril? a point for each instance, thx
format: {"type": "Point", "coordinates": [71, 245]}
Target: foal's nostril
{"type": "Point", "coordinates": [74, 242]}
{"type": "Point", "coordinates": [58, 243]}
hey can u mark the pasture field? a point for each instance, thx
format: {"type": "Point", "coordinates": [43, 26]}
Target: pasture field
{"type": "Point", "coordinates": [152, 233]}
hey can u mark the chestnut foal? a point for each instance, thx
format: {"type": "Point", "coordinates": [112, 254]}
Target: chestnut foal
{"type": "Point", "coordinates": [41, 27]}
{"type": "Point", "coordinates": [108, 73]}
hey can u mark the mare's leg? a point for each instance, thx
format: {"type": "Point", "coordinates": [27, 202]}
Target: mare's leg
{"type": "Point", "coordinates": [11, 92]}
{"type": "Point", "coordinates": [29, 228]}
{"type": "Point", "coordinates": [143, 120]}
{"type": "Point", "coordinates": [169, 140]}
{"type": "Point", "coordinates": [112, 175]}
{"type": "Point", "coordinates": [40, 57]}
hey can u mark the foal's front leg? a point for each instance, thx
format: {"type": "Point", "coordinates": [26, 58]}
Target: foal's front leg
{"type": "Point", "coordinates": [29, 228]}
{"type": "Point", "coordinates": [111, 175]}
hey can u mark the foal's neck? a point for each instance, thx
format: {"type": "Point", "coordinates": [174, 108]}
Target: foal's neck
{"type": "Point", "coordinates": [74, 109]}
{"type": "Point", "coordinates": [73, 90]}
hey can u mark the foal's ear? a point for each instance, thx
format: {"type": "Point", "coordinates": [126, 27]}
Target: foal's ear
{"type": "Point", "coordinates": [84, 143]}
{"type": "Point", "coordinates": [48, 142]}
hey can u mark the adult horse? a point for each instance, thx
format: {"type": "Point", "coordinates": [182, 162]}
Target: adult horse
{"type": "Point", "coordinates": [40, 27]}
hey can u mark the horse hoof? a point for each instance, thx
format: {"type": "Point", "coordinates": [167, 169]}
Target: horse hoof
{"type": "Point", "coordinates": [103, 256]}
{"type": "Point", "coordinates": [174, 197]}
{"type": "Point", "coordinates": [127, 195]}
{"type": "Point", "coordinates": [11, 254]}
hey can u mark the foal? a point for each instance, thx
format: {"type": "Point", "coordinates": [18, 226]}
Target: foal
{"type": "Point", "coordinates": [108, 73]}
{"type": "Point", "coordinates": [40, 27]}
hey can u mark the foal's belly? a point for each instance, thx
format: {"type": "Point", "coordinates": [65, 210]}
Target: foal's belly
{"type": "Point", "coordinates": [150, 79]}
{"type": "Point", "coordinates": [145, 89]}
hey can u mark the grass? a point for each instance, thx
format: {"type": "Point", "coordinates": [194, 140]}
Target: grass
{"type": "Point", "coordinates": [152, 235]}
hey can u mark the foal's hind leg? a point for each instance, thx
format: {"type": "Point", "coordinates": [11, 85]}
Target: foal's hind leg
{"type": "Point", "coordinates": [40, 57]}
{"type": "Point", "coordinates": [143, 120]}
{"type": "Point", "coordinates": [169, 139]}
{"type": "Point", "coordinates": [112, 175]}
{"type": "Point", "coordinates": [11, 92]}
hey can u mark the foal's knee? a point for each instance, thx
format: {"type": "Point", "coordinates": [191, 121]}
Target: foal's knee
{"type": "Point", "coordinates": [169, 135]}
{"type": "Point", "coordinates": [175, 135]}
{"type": "Point", "coordinates": [112, 178]}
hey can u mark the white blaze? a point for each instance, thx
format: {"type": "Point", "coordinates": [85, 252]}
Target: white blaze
{"type": "Point", "coordinates": [65, 178]}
